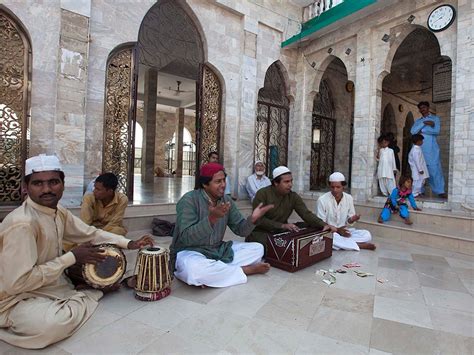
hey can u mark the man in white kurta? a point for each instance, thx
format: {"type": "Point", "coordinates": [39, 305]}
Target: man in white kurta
{"type": "Point", "coordinates": [387, 167]}
{"type": "Point", "coordinates": [257, 181]}
{"type": "Point", "coordinates": [337, 208]}
{"type": "Point", "coordinates": [419, 169]}
{"type": "Point", "coordinates": [38, 304]}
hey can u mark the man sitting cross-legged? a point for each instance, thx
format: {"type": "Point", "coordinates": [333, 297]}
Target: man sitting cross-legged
{"type": "Point", "coordinates": [105, 207]}
{"type": "Point", "coordinates": [202, 257]}
{"type": "Point", "coordinates": [38, 304]}
{"type": "Point", "coordinates": [285, 202]}
{"type": "Point", "coordinates": [337, 208]}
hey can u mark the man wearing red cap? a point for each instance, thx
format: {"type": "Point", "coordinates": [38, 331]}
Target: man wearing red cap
{"type": "Point", "coordinates": [200, 255]}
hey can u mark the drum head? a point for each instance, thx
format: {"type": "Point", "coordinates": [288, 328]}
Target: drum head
{"type": "Point", "coordinates": [108, 272]}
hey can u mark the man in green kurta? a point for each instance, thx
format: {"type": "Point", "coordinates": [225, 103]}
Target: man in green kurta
{"type": "Point", "coordinates": [285, 202]}
{"type": "Point", "coordinates": [202, 257]}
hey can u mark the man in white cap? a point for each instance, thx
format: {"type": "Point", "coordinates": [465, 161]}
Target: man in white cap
{"type": "Point", "coordinates": [257, 180]}
{"type": "Point", "coordinates": [38, 304]}
{"type": "Point", "coordinates": [285, 202]}
{"type": "Point", "coordinates": [337, 208]}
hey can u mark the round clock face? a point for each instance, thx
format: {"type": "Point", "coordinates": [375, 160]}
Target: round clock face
{"type": "Point", "coordinates": [441, 18]}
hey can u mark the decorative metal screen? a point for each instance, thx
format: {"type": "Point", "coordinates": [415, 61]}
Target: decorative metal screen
{"type": "Point", "coordinates": [322, 149]}
{"type": "Point", "coordinates": [271, 136]}
{"type": "Point", "coordinates": [15, 61]}
{"type": "Point", "coordinates": [119, 122]}
{"type": "Point", "coordinates": [208, 122]}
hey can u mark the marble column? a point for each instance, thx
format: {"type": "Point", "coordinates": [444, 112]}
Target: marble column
{"type": "Point", "coordinates": [149, 125]}
{"type": "Point", "coordinates": [179, 141]}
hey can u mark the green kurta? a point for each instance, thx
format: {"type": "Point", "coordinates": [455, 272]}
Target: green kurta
{"type": "Point", "coordinates": [284, 205]}
{"type": "Point", "coordinates": [193, 230]}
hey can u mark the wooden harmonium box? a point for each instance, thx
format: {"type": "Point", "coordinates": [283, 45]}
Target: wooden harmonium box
{"type": "Point", "coordinates": [293, 251]}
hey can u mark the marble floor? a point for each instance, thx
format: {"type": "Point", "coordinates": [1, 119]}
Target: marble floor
{"type": "Point", "coordinates": [423, 304]}
{"type": "Point", "coordinates": [162, 190]}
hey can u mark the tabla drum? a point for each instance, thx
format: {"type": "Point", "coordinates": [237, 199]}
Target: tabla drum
{"type": "Point", "coordinates": [153, 274]}
{"type": "Point", "coordinates": [101, 275]}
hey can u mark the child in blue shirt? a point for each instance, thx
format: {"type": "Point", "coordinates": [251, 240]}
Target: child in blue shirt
{"type": "Point", "coordinates": [397, 201]}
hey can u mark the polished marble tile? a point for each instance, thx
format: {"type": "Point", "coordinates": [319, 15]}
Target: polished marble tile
{"type": "Point", "coordinates": [195, 294]}
{"type": "Point", "coordinates": [214, 328]}
{"type": "Point", "coordinates": [396, 264]}
{"type": "Point", "coordinates": [7, 349]}
{"type": "Point", "coordinates": [429, 259]}
{"type": "Point", "coordinates": [121, 302]}
{"type": "Point", "coordinates": [448, 299]}
{"type": "Point", "coordinates": [400, 338]}
{"type": "Point", "coordinates": [318, 344]}
{"type": "Point", "coordinates": [342, 300]}
{"type": "Point", "coordinates": [444, 280]}
{"type": "Point", "coordinates": [455, 344]}
{"type": "Point", "coordinates": [174, 343]}
{"type": "Point", "coordinates": [119, 337]}
{"type": "Point", "coordinates": [166, 313]}
{"type": "Point", "coordinates": [350, 327]}
{"type": "Point", "coordinates": [448, 320]}
{"type": "Point", "coordinates": [406, 312]}
{"type": "Point", "coordinates": [264, 337]}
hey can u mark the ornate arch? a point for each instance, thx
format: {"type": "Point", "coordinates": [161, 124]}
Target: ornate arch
{"type": "Point", "coordinates": [388, 123]}
{"type": "Point", "coordinates": [15, 79]}
{"type": "Point", "coordinates": [271, 137]}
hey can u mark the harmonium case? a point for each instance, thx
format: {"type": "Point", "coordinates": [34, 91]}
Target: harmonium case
{"type": "Point", "coordinates": [293, 251]}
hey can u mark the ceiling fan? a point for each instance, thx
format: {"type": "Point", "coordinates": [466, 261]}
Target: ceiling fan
{"type": "Point", "coordinates": [178, 91]}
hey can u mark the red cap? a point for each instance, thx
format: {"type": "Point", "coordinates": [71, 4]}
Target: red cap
{"type": "Point", "coordinates": [210, 169]}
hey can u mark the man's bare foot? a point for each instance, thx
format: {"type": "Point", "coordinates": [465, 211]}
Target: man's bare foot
{"type": "Point", "coordinates": [259, 268]}
{"type": "Point", "coordinates": [408, 221]}
{"type": "Point", "coordinates": [130, 282]}
{"type": "Point", "coordinates": [368, 246]}
{"type": "Point", "coordinates": [380, 220]}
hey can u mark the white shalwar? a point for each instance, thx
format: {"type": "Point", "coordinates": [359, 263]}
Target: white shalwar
{"type": "Point", "coordinates": [338, 215]}
{"type": "Point", "coordinates": [385, 170]}
{"type": "Point", "coordinates": [417, 163]}
{"type": "Point", "coordinates": [195, 269]}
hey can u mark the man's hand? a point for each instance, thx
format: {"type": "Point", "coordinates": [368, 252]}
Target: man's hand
{"type": "Point", "coordinates": [88, 253]}
{"type": "Point", "coordinates": [344, 232]}
{"type": "Point", "coordinates": [429, 123]}
{"type": "Point", "coordinates": [354, 218]}
{"type": "Point", "coordinates": [259, 212]}
{"type": "Point", "coordinates": [291, 227]}
{"type": "Point", "coordinates": [141, 243]}
{"type": "Point", "coordinates": [328, 227]}
{"type": "Point", "coordinates": [218, 211]}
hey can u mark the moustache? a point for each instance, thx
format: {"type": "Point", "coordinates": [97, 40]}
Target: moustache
{"type": "Point", "coordinates": [51, 195]}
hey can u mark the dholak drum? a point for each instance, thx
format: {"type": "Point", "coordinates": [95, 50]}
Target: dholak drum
{"type": "Point", "coordinates": [104, 274]}
{"type": "Point", "coordinates": [153, 275]}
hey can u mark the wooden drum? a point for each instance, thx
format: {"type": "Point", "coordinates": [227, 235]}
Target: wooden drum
{"type": "Point", "coordinates": [153, 274]}
{"type": "Point", "coordinates": [104, 274]}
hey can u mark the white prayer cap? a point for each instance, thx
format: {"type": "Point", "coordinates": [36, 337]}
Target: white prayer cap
{"type": "Point", "coordinates": [280, 171]}
{"type": "Point", "coordinates": [42, 162]}
{"type": "Point", "coordinates": [336, 177]}
{"type": "Point", "coordinates": [259, 162]}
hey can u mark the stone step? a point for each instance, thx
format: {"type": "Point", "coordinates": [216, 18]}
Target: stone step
{"type": "Point", "coordinates": [432, 236]}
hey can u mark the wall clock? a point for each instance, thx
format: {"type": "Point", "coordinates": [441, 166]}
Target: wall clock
{"type": "Point", "coordinates": [441, 18]}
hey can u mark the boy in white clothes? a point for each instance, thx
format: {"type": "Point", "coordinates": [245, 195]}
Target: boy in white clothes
{"type": "Point", "coordinates": [419, 170]}
{"type": "Point", "coordinates": [387, 166]}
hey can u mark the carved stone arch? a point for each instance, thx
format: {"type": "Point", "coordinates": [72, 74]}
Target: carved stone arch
{"type": "Point", "coordinates": [321, 69]}
{"type": "Point", "coordinates": [397, 42]}
{"type": "Point", "coordinates": [15, 76]}
{"type": "Point", "coordinates": [272, 123]}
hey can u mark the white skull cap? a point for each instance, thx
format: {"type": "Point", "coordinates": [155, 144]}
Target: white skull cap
{"type": "Point", "coordinates": [280, 171]}
{"type": "Point", "coordinates": [42, 162]}
{"type": "Point", "coordinates": [336, 177]}
{"type": "Point", "coordinates": [259, 162]}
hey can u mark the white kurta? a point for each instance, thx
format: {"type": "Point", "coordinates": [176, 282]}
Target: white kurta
{"type": "Point", "coordinates": [38, 304]}
{"type": "Point", "coordinates": [195, 269]}
{"type": "Point", "coordinates": [338, 214]}
{"type": "Point", "coordinates": [417, 163]}
{"type": "Point", "coordinates": [254, 184]}
{"type": "Point", "coordinates": [385, 171]}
